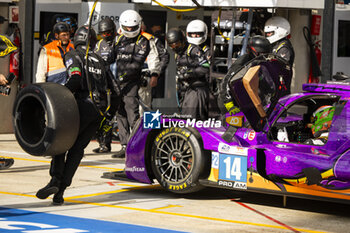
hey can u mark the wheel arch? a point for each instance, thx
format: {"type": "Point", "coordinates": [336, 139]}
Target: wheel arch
{"type": "Point", "coordinates": [148, 152]}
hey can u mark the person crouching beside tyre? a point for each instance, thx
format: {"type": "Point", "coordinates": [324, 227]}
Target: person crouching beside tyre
{"type": "Point", "coordinates": [91, 92]}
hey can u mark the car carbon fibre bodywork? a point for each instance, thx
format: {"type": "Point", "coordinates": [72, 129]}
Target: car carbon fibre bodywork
{"type": "Point", "coordinates": [254, 160]}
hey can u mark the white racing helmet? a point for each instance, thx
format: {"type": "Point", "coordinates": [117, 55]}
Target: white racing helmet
{"type": "Point", "coordinates": [199, 27]}
{"type": "Point", "coordinates": [279, 26]}
{"type": "Point", "coordinates": [130, 19]}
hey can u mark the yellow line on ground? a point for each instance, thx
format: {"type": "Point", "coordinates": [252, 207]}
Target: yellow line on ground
{"type": "Point", "coordinates": [166, 207]}
{"type": "Point", "coordinates": [46, 161]}
{"type": "Point", "coordinates": [190, 216]}
{"type": "Point", "coordinates": [155, 211]}
{"type": "Point", "coordinates": [32, 160]}
{"type": "Point", "coordinates": [17, 194]}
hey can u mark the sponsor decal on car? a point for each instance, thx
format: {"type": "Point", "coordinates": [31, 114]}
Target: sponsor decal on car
{"type": "Point", "coordinates": [251, 135]}
{"type": "Point", "coordinates": [135, 169]}
{"type": "Point", "coordinates": [236, 150]}
{"type": "Point", "coordinates": [214, 171]}
{"type": "Point", "coordinates": [245, 135]}
{"type": "Point", "coordinates": [153, 120]}
{"type": "Point", "coordinates": [235, 121]}
{"type": "Point", "coordinates": [232, 184]}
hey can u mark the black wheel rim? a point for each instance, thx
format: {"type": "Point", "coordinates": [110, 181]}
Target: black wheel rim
{"type": "Point", "coordinates": [174, 158]}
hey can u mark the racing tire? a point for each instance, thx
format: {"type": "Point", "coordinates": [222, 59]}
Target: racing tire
{"type": "Point", "coordinates": [45, 119]}
{"type": "Point", "coordinates": [178, 160]}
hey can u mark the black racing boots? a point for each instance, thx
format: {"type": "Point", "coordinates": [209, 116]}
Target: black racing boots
{"type": "Point", "coordinates": [58, 197]}
{"type": "Point", "coordinates": [51, 188]}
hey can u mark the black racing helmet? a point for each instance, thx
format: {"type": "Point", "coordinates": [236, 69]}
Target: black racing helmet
{"type": "Point", "coordinates": [81, 36]}
{"type": "Point", "coordinates": [105, 25]}
{"type": "Point", "coordinates": [61, 27]}
{"type": "Point", "coordinates": [176, 39]}
{"type": "Point", "coordinates": [106, 29]}
{"type": "Point", "coordinates": [259, 44]}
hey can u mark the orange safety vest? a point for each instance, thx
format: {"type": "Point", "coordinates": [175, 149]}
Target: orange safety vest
{"type": "Point", "coordinates": [56, 70]}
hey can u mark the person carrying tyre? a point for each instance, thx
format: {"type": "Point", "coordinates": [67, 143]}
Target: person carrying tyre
{"type": "Point", "coordinates": [192, 61]}
{"type": "Point", "coordinates": [105, 48]}
{"type": "Point", "coordinates": [50, 67]}
{"type": "Point", "coordinates": [91, 91]}
{"type": "Point", "coordinates": [131, 50]}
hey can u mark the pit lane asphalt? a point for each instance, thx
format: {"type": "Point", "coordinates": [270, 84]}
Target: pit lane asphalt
{"type": "Point", "coordinates": [210, 210]}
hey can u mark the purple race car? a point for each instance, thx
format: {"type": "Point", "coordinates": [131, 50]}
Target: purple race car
{"type": "Point", "coordinates": [270, 146]}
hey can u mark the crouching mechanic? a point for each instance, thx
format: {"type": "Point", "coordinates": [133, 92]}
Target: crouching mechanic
{"type": "Point", "coordinates": [92, 96]}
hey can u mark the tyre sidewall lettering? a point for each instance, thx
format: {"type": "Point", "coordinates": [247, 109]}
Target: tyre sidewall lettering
{"type": "Point", "coordinates": [190, 183]}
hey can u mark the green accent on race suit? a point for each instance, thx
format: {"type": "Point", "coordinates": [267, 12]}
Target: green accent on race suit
{"type": "Point", "coordinates": [74, 69]}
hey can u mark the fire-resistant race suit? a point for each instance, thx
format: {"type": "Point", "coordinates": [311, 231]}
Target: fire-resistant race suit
{"type": "Point", "coordinates": [192, 72]}
{"type": "Point", "coordinates": [105, 49]}
{"type": "Point", "coordinates": [131, 54]}
{"type": "Point", "coordinates": [284, 49]}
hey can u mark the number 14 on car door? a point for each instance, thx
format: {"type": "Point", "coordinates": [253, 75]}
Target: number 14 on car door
{"type": "Point", "coordinates": [233, 171]}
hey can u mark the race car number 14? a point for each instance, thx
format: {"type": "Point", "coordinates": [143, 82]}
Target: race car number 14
{"type": "Point", "coordinates": [233, 171]}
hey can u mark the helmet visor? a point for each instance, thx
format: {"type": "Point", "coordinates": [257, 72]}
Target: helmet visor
{"type": "Point", "coordinates": [130, 29]}
{"type": "Point", "coordinates": [269, 34]}
{"type": "Point", "coordinates": [106, 33]}
{"type": "Point", "coordinates": [195, 34]}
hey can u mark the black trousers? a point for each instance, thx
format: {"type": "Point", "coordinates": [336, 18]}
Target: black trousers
{"type": "Point", "coordinates": [64, 166]}
{"type": "Point", "coordinates": [195, 103]}
{"type": "Point", "coordinates": [128, 112]}
{"type": "Point", "coordinates": [103, 138]}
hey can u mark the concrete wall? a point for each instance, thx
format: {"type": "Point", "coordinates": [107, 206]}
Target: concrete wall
{"type": "Point", "coordinates": [298, 19]}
